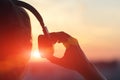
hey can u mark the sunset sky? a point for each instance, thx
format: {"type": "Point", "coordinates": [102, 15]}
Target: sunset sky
{"type": "Point", "coordinates": [95, 23]}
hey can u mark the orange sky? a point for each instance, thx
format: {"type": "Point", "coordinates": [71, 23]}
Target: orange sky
{"type": "Point", "coordinates": [94, 23]}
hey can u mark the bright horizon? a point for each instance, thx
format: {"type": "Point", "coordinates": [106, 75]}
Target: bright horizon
{"type": "Point", "coordinates": [95, 23]}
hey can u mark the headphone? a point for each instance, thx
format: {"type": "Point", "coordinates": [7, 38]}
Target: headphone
{"type": "Point", "coordinates": [36, 14]}
{"type": "Point", "coordinates": [49, 45]}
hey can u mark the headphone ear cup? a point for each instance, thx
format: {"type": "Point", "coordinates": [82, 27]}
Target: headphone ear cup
{"type": "Point", "coordinates": [45, 46]}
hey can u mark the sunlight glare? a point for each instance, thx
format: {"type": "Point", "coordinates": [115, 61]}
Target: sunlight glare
{"type": "Point", "coordinates": [35, 55]}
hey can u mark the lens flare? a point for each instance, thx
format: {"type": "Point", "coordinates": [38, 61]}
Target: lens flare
{"type": "Point", "coordinates": [35, 55]}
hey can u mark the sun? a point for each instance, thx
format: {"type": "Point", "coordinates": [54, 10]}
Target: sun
{"type": "Point", "coordinates": [35, 55]}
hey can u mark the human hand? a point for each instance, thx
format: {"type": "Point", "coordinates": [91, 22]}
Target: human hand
{"type": "Point", "coordinates": [73, 58]}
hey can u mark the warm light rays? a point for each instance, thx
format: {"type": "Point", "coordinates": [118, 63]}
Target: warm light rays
{"type": "Point", "coordinates": [35, 55]}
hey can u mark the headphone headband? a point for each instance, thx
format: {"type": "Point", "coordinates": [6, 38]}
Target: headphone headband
{"type": "Point", "coordinates": [35, 12]}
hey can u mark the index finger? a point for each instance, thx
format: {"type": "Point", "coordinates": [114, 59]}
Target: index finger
{"type": "Point", "coordinates": [63, 37]}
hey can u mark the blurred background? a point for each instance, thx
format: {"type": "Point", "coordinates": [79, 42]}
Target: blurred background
{"type": "Point", "coordinates": [96, 25]}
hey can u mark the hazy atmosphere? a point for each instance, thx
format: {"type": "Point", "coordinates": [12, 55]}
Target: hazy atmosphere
{"type": "Point", "coordinates": [95, 23]}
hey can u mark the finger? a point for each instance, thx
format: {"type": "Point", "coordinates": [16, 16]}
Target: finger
{"type": "Point", "coordinates": [56, 37]}
{"type": "Point", "coordinates": [60, 36]}
{"type": "Point", "coordinates": [65, 38]}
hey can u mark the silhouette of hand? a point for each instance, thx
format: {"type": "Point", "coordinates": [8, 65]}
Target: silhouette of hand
{"type": "Point", "coordinates": [73, 58]}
